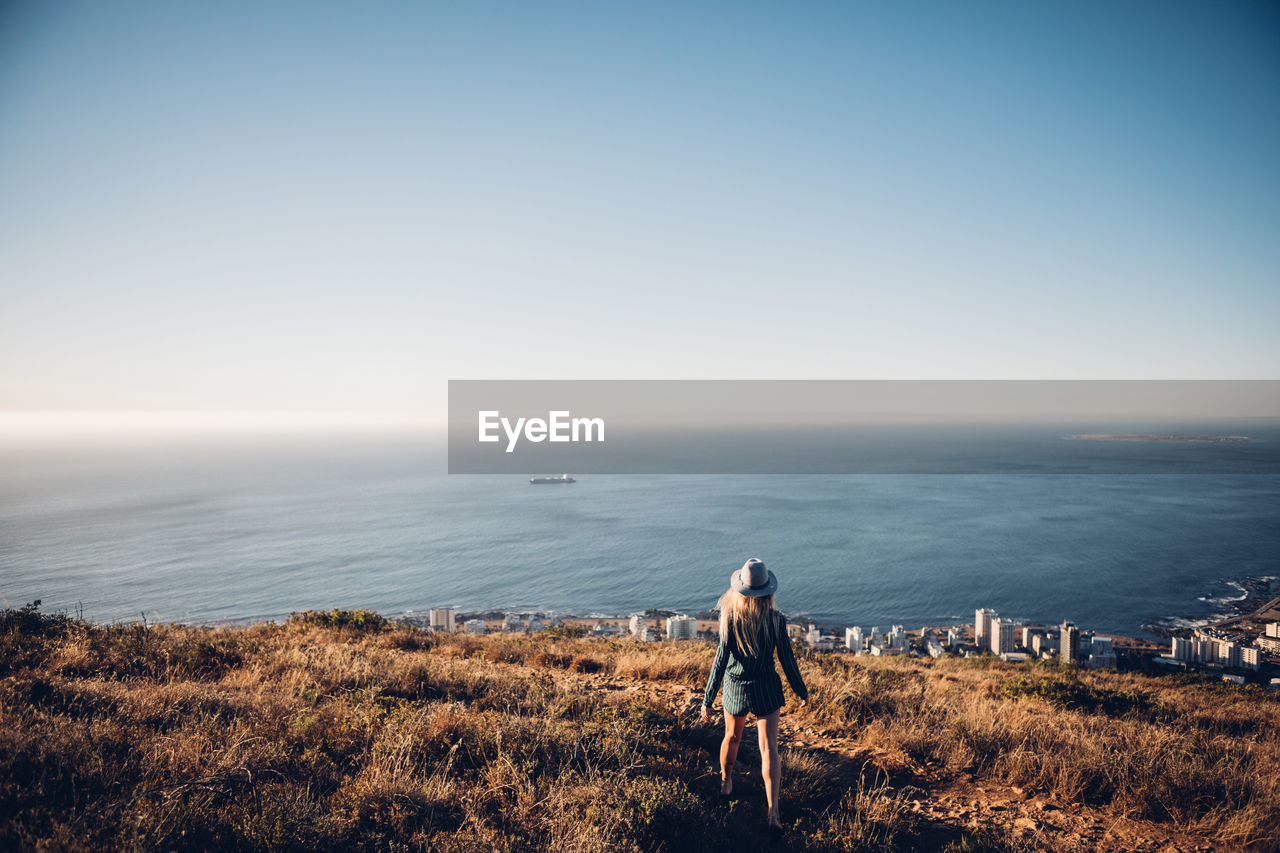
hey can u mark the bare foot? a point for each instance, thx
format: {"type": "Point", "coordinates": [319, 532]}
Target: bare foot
{"type": "Point", "coordinates": [775, 822]}
{"type": "Point", "coordinates": [726, 786]}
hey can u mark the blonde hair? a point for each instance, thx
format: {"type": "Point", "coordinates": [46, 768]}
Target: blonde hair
{"type": "Point", "coordinates": [744, 616]}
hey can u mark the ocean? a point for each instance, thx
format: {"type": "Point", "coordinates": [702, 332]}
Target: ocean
{"type": "Point", "coordinates": [256, 528]}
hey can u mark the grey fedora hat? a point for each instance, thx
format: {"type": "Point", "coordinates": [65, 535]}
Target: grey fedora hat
{"type": "Point", "coordinates": [753, 579]}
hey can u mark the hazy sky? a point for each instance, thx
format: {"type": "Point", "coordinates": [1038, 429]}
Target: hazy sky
{"type": "Point", "coordinates": [338, 206]}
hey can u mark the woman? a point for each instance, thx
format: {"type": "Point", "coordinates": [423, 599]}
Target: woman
{"type": "Point", "coordinates": [750, 630]}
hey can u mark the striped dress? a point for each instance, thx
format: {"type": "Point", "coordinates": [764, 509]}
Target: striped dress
{"type": "Point", "coordinates": [752, 685]}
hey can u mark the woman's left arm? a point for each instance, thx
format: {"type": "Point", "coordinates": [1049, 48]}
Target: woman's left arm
{"type": "Point", "coordinates": [788, 659]}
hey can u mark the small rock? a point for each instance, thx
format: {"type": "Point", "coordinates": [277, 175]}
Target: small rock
{"type": "Point", "coordinates": [1026, 823]}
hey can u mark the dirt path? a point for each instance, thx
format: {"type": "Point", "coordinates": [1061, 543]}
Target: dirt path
{"type": "Point", "coordinates": [946, 804]}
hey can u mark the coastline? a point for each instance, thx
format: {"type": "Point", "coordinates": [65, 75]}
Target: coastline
{"type": "Point", "coordinates": [1243, 598]}
{"type": "Point", "coordinates": [1256, 593]}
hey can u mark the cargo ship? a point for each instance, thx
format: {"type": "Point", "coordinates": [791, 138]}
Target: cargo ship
{"type": "Point", "coordinates": [543, 481]}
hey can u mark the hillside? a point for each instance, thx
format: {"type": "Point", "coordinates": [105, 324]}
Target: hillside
{"type": "Point", "coordinates": [341, 730]}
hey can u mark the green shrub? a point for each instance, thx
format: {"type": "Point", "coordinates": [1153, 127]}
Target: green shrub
{"type": "Point", "coordinates": [1073, 694]}
{"type": "Point", "coordinates": [359, 621]}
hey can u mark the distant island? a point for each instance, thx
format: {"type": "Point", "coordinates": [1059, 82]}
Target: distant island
{"type": "Point", "coordinates": [1151, 436]}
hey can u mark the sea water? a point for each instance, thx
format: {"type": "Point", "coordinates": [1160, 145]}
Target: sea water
{"type": "Point", "coordinates": [254, 529]}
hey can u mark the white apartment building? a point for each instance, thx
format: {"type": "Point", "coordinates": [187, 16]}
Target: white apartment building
{"type": "Point", "coordinates": [441, 619]}
{"type": "Point", "coordinates": [682, 627]}
{"type": "Point", "coordinates": [1102, 654]}
{"type": "Point", "coordinates": [1229, 654]}
{"type": "Point", "coordinates": [1002, 633]}
{"type": "Point", "coordinates": [1269, 640]}
{"type": "Point", "coordinates": [1068, 642]}
{"type": "Point", "coordinates": [982, 626]}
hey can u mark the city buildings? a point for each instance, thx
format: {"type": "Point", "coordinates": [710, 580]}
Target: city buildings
{"type": "Point", "coordinates": [1229, 655]}
{"type": "Point", "coordinates": [1102, 653]}
{"type": "Point", "coordinates": [982, 626]}
{"type": "Point", "coordinates": [1027, 635]}
{"type": "Point", "coordinates": [1203, 650]}
{"type": "Point", "coordinates": [1269, 640]}
{"type": "Point", "coordinates": [441, 619]}
{"type": "Point", "coordinates": [1045, 645]}
{"type": "Point", "coordinates": [1011, 640]}
{"type": "Point", "coordinates": [1068, 643]}
{"type": "Point", "coordinates": [681, 627]}
{"type": "Point", "coordinates": [1001, 635]}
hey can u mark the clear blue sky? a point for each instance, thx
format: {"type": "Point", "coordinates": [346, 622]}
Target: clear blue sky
{"type": "Point", "coordinates": [338, 206]}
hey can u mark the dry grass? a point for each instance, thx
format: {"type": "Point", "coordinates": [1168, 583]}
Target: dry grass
{"type": "Point", "coordinates": [1190, 752]}
{"type": "Point", "coordinates": [342, 731]}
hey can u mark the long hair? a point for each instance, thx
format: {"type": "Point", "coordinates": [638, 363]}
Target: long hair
{"type": "Point", "coordinates": [744, 617]}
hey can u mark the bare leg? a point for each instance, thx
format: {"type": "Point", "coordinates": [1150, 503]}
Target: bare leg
{"type": "Point", "coordinates": [770, 764]}
{"type": "Point", "coordinates": [733, 727]}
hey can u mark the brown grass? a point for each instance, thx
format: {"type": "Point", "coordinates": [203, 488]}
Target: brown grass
{"type": "Point", "coordinates": [343, 731]}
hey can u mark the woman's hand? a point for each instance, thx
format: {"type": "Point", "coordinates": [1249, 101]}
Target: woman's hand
{"type": "Point", "coordinates": [706, 714]}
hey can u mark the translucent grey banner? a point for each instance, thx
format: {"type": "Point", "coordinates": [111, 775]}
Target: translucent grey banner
{"type": "Point", "coordinates": [546, 428]}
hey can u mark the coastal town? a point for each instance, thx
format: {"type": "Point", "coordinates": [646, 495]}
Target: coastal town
{"type": "Point", "coordinates": [1242, 650]}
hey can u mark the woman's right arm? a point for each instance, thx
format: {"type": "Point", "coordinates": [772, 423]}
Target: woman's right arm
{"type": "Point", "coordinates": [717, 675]}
